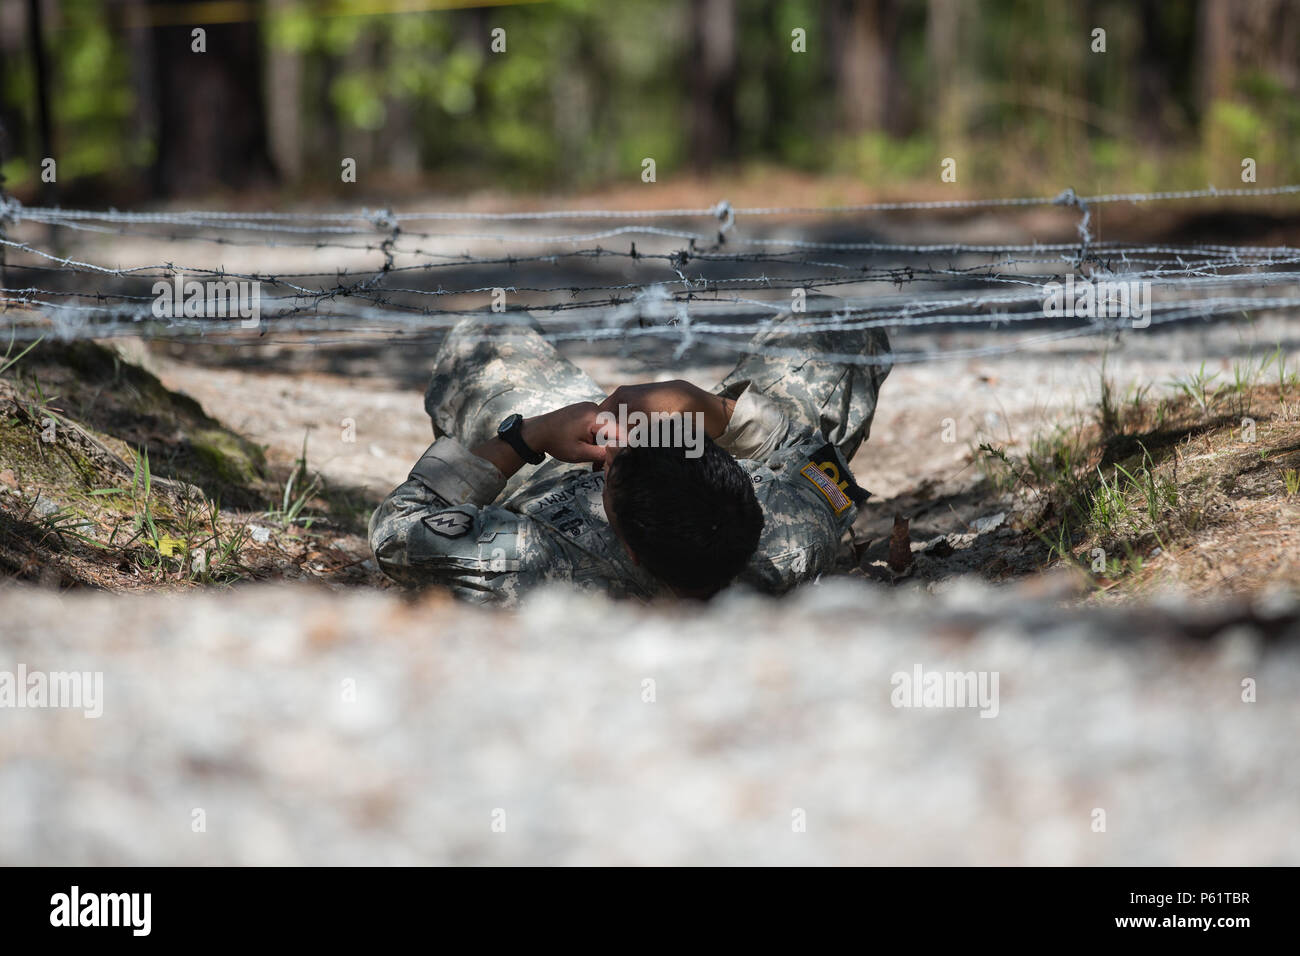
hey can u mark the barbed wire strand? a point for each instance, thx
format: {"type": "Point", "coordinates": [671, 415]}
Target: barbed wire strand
{"type": "Point", "coordinates": [690, 301]}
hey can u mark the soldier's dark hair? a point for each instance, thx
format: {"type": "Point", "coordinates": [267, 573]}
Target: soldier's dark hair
{"type": "Point", "coordinates": [693, 523]}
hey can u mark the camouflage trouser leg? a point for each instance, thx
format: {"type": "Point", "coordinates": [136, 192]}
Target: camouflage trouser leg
{"type": "Point", "coordinates": [483, 373]}
{"type": "Point", "coordinates": [836, 397]}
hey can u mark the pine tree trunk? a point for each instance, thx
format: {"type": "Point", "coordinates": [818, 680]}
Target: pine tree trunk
{"type": "Point", "coordinates": [713, 82]}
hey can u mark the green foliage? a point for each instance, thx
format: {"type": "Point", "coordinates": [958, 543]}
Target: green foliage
{"type": "Point", "coordinates": [588, 88]}
{"type": "Point", "coordinates": [291, 507]}
{"type": "Point", "coordinates": [878, 158]}
{"type": "Point", "coordinates": [1199, 387]}
{"type": "Point", "coordinates": [91, 97]}
{"type": "Point", "coordinates": [8, 360]}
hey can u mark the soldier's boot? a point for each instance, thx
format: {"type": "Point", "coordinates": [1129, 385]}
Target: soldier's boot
{"type": "Point", "coordinates": [810, 374]}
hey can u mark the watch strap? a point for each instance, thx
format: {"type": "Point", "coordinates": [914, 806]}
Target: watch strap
{"type": "Point", "coordinates": [513, 436]}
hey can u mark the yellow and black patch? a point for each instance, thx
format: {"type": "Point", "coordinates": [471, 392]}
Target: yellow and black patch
{"type": "Point", "coordinates": [823, 482]}
{"type": "Point", "coordinates": [830, 476]}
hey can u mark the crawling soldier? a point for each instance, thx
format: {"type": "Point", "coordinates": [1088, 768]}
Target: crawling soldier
{"type": "Point", "coordinates": [764, 501]}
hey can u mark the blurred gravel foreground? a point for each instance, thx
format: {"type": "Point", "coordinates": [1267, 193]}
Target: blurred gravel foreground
{"type": "Point", "coordinates": [298, 726]}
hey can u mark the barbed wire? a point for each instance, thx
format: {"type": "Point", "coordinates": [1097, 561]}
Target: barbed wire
{"type": "Point", "coordinates": [721, 210]}
{"type": "Point", "coordinates": [682, 288]}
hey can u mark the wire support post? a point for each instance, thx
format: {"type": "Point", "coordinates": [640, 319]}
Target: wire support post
{"type": "Point", "coordinates": [1068, 197]}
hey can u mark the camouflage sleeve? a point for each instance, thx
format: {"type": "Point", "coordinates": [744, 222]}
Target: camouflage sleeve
{"type": "Point", "coordinates": [809, 499]}
{"type": "Point", "coordinates": [455, 475]}
{"type": "Point", "coordinates": [758, 428]}
{"type": "Point", "coordinates": [808, 494]}
{"type": "Point", "coordinates": [760, 431]}
{"type": "Point", "coordinates": [438, 526]}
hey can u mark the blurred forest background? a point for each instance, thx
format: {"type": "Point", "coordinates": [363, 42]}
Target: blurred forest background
{"type": "Point", "coordinates": [411, 89]}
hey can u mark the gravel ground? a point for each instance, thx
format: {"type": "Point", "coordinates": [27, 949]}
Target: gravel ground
{"type": "Point", "coordinates": [494, 738]}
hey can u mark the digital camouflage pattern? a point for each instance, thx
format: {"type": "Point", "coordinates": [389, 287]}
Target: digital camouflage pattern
{"type": "Point", "coordinates": [456, 522]}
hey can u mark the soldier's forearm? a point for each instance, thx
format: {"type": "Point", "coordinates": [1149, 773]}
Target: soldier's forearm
{"type": "Point", "coordinates": [677, 397]}
{"type": "Point", "coordinates": [717, 415]}
{"type": "Point", "coordinates": [566, 433]}
{"type": "Point", "coordinates": [504, 458]}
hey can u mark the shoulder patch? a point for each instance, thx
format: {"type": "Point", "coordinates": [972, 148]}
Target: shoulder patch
{"type": "Point", "coordinates": [449, 524]}
{"type": "Point", "coordinates": [828, 460]}
{"type": "Point", "coordinates": [823, 482]}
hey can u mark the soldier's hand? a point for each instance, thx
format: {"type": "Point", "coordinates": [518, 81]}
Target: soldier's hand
{"type": "Point", "coordinates": [677, 396]}
{"type": "Point", "coordinates": [567, 433]}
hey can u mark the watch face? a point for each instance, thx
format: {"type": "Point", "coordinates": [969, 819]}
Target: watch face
{"type": "Point", "coordinates": [507, 424]}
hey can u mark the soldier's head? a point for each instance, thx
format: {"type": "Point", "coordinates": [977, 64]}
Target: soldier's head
{"type": "Point", "coordinates": [692, 522]}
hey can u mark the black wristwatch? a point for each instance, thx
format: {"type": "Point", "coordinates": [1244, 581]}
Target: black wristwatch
{"type": "Point", "coordinates": [511, 431]}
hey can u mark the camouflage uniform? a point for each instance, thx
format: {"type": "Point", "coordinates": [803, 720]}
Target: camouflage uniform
{"type": "Point", "coordinates": [457, 522]}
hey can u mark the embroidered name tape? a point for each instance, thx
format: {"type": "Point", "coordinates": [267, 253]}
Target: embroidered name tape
{"type": "Point", "coordinates": [823, 482]}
